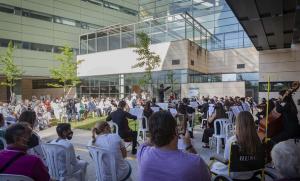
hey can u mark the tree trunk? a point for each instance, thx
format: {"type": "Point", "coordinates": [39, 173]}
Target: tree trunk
{"type": "Point", "coordinates": [11, 94]}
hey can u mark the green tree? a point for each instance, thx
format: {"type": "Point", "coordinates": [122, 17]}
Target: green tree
{"type": "Point", "coordinates": [171, 78]}
{"type": "Point", "coordinates": [146, 58]}
{"type": "Point", "coordinates": [10, 70]}
{"type": "Point", "coordinates": [66, 72]}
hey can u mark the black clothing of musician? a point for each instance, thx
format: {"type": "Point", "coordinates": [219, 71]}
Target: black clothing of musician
{"type": "Point", "coordinates": [120, 118]}
{"type": "Point", "coordinates": [291, 127]}
{"type": "Point", "coordinates": [161, 92]}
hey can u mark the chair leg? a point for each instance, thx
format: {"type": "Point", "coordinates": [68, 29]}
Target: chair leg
{"type": "Point", "coordinates": [218, 145]}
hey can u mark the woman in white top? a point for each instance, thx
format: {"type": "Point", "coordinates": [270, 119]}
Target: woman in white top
{"type": "Point", "coordinates": [103, 138]}
{"type": "Point", "coordinates": [247, 139]}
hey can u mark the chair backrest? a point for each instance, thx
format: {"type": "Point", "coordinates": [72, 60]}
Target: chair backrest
{"type": "Point", "coordinates": [2, 142]}
{"type": "Point", "coordinates": [58, 160]}
{"type": "Point", "coordinates": [143, 124]}
{"type": "Point", "coordinates": [220, 125]}
{"type": "Point", "coordinates": [114, 127]}
{"type": "Point", "coordinates": [105, 164]}
{"type": "Point", "coordinates": [229, 130]}
{"type": "Point", "coordinates": [10, 177]}
{"type": "Point", "coordinates": [230, 115]}
{"type": "Point", "coordinates": [211, 110]}
{"type": "Point", "coordinates": [240, 162]}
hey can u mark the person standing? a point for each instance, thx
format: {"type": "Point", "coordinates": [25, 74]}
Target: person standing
{"type": "Point", "coordinates": [161, 92]}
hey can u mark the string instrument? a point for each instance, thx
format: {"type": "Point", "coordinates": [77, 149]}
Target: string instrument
{"type": "Point", "coordinates": [275, 123]}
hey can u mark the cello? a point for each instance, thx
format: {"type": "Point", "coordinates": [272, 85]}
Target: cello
{"type": "Point", "coordinates": [274, 121]}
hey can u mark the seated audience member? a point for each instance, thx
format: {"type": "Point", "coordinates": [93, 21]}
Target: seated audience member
{"type": "Point", "coordinates": [147, 112]}
{"type": "Point", "coordinates": [218, 113]}
{"type": "Point", "coordinates": [185, 109]}
{"type": "Point", "coordinates": [120, 117]}
{"type": "Point", "coordinates": [161, 160]}
{"type": "Point", "coordinates": [286, 159]}
{"type": "Point", "coordinates": [2, 130]}
{"type": "Point", "coordinates": [65, 134]}
{"type": "Point", "coordinates": [103, 138]}
{"type": "Point", "coordinates": [34, 144]}
{"type": "Point", "coordinates": [15, 160]}
{"type": "Point", "coordinates": [247, 139]}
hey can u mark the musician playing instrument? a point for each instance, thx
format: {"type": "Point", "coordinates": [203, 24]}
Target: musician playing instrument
{"type": "Point", "coordinates": [291, 128]}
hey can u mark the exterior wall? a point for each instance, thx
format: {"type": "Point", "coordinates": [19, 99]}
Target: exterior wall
{"type": "Point", "coordinates": [225, 61]}
{"type": "Point", "coordinates": [199, 56]}
{"type": "Point", "coordinates": [21, 28]}
{"type": "Point", "coordinates": [219, 89]}
{"type": "Point", "coordinates": [28, 92]}
{"type": "Point", "coordinates": [280, 65]}
{"type": "Point", "coordinates": [120, 61]}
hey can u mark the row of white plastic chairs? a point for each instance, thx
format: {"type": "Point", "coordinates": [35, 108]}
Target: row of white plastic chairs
{"type": "Point", "coordinates": [50, 151]}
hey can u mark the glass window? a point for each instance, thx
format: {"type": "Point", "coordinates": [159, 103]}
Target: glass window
{"type": "Point", "coordinates": [91, 43]}
{"type": "Point", "coordinates": [83, 44]}
{"type": "Point", "coordinates": [4, 42]}
{"type": "Point", "coordinates": [6, 9]}
{"type": "Point", "coordinates": [114, 42]}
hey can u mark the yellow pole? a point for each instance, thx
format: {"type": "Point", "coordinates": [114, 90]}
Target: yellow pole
{"type": "Point", "coordinates": [267, 121]}
{"type": "Point", "coordinates": [267, 110]}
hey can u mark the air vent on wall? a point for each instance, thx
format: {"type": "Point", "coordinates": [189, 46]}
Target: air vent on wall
{"type": "Point", "coordinates": [240, 66]}
{"type": "Point", "coordinates": [176, 62]}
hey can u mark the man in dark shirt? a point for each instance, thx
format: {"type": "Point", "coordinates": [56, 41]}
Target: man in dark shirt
{"type": "Point", "coordinates": [120, 117]}
{"type": "Point", "coordinates": [161, 92]}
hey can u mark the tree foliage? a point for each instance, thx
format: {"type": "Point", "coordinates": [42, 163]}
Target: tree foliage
{"type": "Point", "coordinates": [66, 72]}
{"type": "Point", "coordinates": [10, 70]}
{"type": "Point", "coordinates": [146, 58]}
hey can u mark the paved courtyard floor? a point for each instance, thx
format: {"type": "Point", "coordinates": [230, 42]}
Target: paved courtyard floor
{"type": "Point", "coordinates": [82, 137]}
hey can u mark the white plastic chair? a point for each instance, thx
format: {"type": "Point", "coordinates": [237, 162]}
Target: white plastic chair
{"type": "Point", "coordinates": [11, 177]}
{"type": "Point", "coordinates": [103, 159]}
{"type": "Point", "coordinates": [191, 120]}
{"type": "Point", "coordinates": [229, 131]}
{"type": "Point", "coordinates": [54, 162]}
{"type": "Point", "coordinates": [221, 135]}
{"type": "Point", "coordinates": [3, 142]}
{"type": "Point", "coordinates": [204, 121]}
{"type": "Point", "coordinates": [143, 129]}
{"type": "Point", "coordinates": [230, 115]}
{"type": "Point", "coordinates": [114, 126]}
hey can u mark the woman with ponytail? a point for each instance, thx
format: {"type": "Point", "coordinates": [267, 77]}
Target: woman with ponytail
{"type": "Point", "coordinates": [104, 139]}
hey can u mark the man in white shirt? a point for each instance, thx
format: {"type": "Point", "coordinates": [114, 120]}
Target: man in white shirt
{"type": "Point", "coordinates": [65, 134]}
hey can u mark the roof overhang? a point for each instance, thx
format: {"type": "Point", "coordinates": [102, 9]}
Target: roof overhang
{"type": "Point", "coordinates": [270, 24]}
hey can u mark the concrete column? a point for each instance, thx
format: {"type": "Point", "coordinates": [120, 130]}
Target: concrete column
{"type": "Point", "coordinates": [121, 86]}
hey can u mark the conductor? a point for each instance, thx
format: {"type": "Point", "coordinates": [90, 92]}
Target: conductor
{"type": "Point", "coordinates": [161, 92]}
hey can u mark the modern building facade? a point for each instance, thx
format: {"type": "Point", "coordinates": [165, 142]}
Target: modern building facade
{"type": "Point", "coordinates": [38, 28]}
{"type": "Point", "coordinates": [199, 42]}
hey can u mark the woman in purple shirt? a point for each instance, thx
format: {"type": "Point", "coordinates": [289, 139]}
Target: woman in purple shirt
{"type": "Point", "coordinates": [161, 159]}
{"type": "Point", "coordinates": [15, 160]}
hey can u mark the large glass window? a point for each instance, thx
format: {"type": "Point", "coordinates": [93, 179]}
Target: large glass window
{"type": "Point", "coordinates": [83, 44]}
{"type": "Point", "coordinates": [92, 43]}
